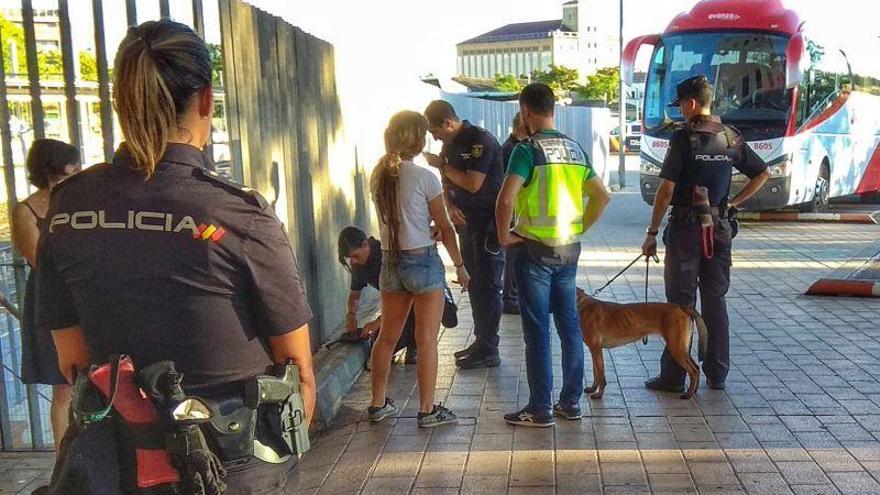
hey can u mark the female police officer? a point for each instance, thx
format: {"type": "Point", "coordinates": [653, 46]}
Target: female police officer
{"type": "Point", "coordinates": [156, 257]}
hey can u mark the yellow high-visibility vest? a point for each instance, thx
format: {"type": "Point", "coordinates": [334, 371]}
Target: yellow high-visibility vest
{"type": "Point", "coordinates": [550, 206]}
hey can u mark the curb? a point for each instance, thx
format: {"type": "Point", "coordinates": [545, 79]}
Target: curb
{"type": "Point", "coordinates": [338, 368]}
{"type": "Point", "coordinates": [336, 371]}
{"type": "Point", "coordinates": [793, 216]}
{"type": "Point", "coordinates": [852, 288]}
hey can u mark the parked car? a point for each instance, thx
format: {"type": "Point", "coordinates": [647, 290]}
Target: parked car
{"type": "Point", "coordinates": [633, 137]}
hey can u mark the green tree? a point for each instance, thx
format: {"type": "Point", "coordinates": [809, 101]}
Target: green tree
{"type": "Point", "coordinates": [11, 33]}
{"type": "Point", "coordinates": [603, 85]}
{"type": "Point", "coordinates": [216, 52]}
{"type": "Point", "coordinates": [88, 66]}
{"type": "Point", "coordinates": [560, 79]}
{"type": "Point", "coordinates": [507, 83]}
{"type": "Point", "coordinates": [50, 65]}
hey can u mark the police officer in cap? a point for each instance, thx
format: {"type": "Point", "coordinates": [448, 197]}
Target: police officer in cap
{"type": "Point", "coordinates": [695, 180]}
{"type": "Point", "coordinates": [472, 169]}
{"type": "Point", "coordinates": [157, 257]}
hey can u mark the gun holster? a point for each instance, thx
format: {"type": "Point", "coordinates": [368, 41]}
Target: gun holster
{"type": "Point", "coordinates": [282, 430]}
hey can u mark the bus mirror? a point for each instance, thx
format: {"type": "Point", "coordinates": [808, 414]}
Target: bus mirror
{"type": "Point", "coordinates": [795, 59]}
{"type": "Point", "coordinates": [630, 53]}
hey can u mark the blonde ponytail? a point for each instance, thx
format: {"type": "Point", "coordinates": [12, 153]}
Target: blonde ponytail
{"type": "Point", "coordinates": [404, 139]}
{"type": "Point", "coordinates": [159, 66]}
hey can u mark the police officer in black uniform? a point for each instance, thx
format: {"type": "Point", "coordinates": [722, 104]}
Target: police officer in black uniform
{"type": "Point", "coordinates": [157, 257]}
{"type": "Point", "coordinates": [695, 180]}
{"type": "Point", "coordinates": [517, 135]}
{"type": "Point", "coordinates": [472, 168]}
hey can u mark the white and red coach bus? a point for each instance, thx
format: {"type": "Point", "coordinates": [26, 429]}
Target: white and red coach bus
{"type": "Point", "coordinates": [800, 103]}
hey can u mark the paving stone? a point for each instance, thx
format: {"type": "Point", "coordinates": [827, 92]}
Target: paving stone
{"type": "Point", "coordinates": [622, 473]}
{"type": "Point", "coordinates": [384, 486]}
{"type": "Point", "coordinates": [815, 489]}
{"type": "Point", "coordinates": [532, 468]}
{"type": "Point", "coordinates": [764, 484]}
{"type": "Point", "coordinates": [802, 473]}
{"type": "Point", "coordinates": [712, 473]}
{"type": "Point", "coordinates": [578, 484]}
{"type": "Point", "coordinates": [801, 412]}
{"type": "Point", "coordinates": [855, 483]}
{"type": "Point", "coordinates": [484, 484]}
{"type": "Point", "coordinates": [750, 461]}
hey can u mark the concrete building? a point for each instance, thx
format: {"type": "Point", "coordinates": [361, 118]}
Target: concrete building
{"type": "Point", "coordinates": [584, 39]}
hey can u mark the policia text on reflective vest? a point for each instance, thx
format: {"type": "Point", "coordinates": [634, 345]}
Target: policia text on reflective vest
{"type": "Point", "coordinates": [550, 206]}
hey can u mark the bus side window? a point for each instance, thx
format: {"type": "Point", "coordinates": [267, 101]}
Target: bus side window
{"type": "Point", "coordinates": [827, 77]}
{"type": "Point", "coordinates": [803, 100]}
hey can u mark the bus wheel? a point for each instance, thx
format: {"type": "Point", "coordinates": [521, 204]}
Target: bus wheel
{"type": "Point", "coordinates": [820, 200]}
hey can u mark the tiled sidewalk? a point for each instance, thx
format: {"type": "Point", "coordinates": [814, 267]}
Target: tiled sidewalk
{"type": "Point", "coordinates": [801, 413]}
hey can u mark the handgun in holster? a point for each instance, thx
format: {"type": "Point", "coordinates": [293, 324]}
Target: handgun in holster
{"type": "Point", "coordinates": [282, 430]}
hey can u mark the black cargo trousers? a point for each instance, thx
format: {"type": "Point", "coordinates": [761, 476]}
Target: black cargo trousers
{"type": "Point", "coordinates": [484, 259]}
{"type": "Point", "coordinates": [685, 271]}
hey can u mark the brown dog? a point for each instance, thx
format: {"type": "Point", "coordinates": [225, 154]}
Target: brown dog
{"type": "Point", "coordinates": [606, 325]}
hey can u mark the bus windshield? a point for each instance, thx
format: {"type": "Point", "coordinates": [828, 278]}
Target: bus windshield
{"type": "Point", "coordinates": [747, 70]}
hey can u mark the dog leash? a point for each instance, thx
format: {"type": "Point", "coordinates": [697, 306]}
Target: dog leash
{"type": "Point", "coordinates": [647, 276]}
{"type": "Point", "coordinates": [633, 262]}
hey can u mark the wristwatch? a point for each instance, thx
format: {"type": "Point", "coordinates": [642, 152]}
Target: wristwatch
{"type": "Point", "coordinates": [652, 233]}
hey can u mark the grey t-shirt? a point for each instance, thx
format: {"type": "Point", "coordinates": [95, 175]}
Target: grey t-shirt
{"type": "Point", "coordinates": [417, 187]}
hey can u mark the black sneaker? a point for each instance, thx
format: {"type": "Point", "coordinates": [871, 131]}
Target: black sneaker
{"type": "Point", "coordinates": [479, 360]}
{"type": "Point", "coordinates": [570, 411]}
{"type": "Point", "coordinates": [467, 351]}
{"type": "Point", "coordinates": [439, 416]}
{"type": "Point", "coordinates": [376, 414]}
{"type": "Point", "coordinates": [659, 384]}
{"type": "Point", "coordinates": [527, 417]}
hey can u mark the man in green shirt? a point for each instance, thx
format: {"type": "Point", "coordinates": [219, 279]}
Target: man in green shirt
{"type": "Point", "coordinates": [549, 177]}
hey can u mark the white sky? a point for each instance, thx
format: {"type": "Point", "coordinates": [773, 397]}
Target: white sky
{"type": "Point", "coordinates": [406, 38]}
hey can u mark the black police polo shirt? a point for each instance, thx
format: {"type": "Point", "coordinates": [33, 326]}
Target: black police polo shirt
{"type": "Point", "coordinates": [368, 273]}
{"type": "Point", "coordinates": [186, 266]}
{"type": "Point", "coordinates": [474, 148]}
{"type": "Point", "coordinates": [704, 153]}
{"type": "Point", "coordinates": [507, 149]}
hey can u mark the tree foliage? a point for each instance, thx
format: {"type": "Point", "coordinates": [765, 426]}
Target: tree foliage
{"type": "Point", "coordinates": [14, 33]}
{"type": "Point", "coordinates": [88, 67]}
{"type": "Point", "coordinates": [560, 79]}
{"type": "Point", "coordinates": [507, 83]}
{"type": "Point", "coordinates": [603, 85]}
{"type": "Point", "coordinates": [216, 64]}
{"type": "Point", "coordinates": [49, 62]}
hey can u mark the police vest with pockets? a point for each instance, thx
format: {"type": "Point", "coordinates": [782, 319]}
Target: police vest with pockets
{"type": "Point", "coordinates": [550, 206]}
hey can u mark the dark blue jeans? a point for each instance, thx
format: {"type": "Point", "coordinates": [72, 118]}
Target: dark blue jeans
{"type": "Point", "coordinates": [544, 288]}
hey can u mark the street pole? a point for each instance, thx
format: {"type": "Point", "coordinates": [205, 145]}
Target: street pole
{"type": "Point", "coordinates": [621, 109]}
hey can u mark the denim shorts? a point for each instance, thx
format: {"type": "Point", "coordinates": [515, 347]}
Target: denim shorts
{"type": "Point", "coordinates": [413, 273]}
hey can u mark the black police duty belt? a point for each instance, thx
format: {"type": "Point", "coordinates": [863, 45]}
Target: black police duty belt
{"type": "Point", "coordinates": [687, 214]}
{"type": "Point", "coordinates": [267, 421]}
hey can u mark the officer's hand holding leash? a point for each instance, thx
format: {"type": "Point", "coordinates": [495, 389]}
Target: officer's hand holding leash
{"type": "Point", "coordinates": [649, 246]}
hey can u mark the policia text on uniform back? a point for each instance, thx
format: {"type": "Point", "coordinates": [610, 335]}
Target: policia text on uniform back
{"type": "Point", "coordinates": [157, 258]}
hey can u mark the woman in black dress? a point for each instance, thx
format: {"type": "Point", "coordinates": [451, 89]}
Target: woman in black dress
{"type": "Point", "coordinates": [48, 163]}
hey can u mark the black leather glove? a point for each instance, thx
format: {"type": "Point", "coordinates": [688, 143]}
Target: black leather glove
{"type": "Point", "coordinates": [201, 472]}
{"type": "Point", "coordinates": [734, 223]}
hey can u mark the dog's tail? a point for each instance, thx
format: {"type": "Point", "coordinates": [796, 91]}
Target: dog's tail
{"type": "Point", "coordinates": [701, 330]}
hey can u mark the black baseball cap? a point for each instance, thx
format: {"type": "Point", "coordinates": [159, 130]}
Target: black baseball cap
{"type": "Point", "coordinates": [696, 87]}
